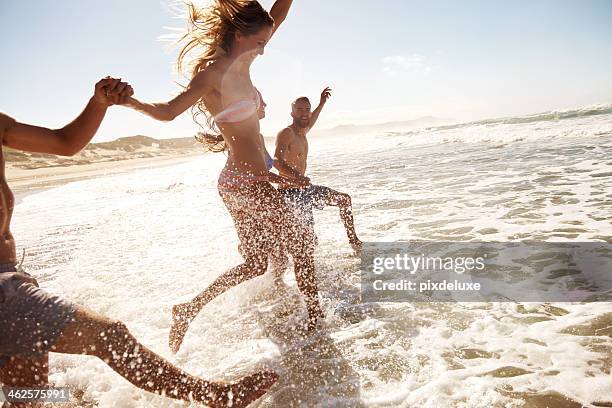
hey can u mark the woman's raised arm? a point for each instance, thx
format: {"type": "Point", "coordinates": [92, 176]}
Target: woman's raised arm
{"type": "Point", "coordinates": [279, 12]}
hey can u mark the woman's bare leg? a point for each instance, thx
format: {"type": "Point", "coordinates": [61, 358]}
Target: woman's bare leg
{"type": "Point", "coordinates": [184, 313]}
{"type": "Point", "coordinates": [279, 262]}
{"type": "Point", "coordinates": [300, 242]}
{"type": "Point", "coordinates": [307, 283]}
{"type": "Point", "coordinates": [281, 220]}
{"type": "Point", "coordinates": [112, 342]}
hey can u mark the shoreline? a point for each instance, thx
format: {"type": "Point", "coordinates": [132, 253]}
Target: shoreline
{"type": "Point", "coordinates": [24, 182]}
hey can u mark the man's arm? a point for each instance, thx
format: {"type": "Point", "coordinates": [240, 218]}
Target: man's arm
{"type": "Point", "coordinates": [73, 137]}
{"type": "Point", "coordinates": [279, 12]}
{"type": "Point", "coordinates": [315, 114]}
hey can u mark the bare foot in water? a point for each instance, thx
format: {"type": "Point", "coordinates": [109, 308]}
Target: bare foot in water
{"type": "Point", "coordinates": [181, 317]}
{"type": "Point", "coordinates": [243, 392]}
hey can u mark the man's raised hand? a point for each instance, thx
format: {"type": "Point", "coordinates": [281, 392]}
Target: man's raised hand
{"type": "Point", "coordinates": [326, 94]}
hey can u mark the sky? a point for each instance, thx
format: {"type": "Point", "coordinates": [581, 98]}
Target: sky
{"type": "Point", "coordinates": [386, 60]}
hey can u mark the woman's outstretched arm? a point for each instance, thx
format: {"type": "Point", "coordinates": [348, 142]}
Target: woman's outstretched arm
{"type": "Point", "coordinates": [279, 12]}
{"type": "Point", "coordinates": [167, 111]}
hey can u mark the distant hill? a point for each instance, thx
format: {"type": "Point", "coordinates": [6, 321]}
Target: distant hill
{"type": "Point", "coordinates": [125, 148]}
{"type": "Point", "coordinates": [132, 143]}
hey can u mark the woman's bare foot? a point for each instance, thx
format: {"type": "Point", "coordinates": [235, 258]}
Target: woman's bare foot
{"type": "Point", "coordinates": [181, 317]}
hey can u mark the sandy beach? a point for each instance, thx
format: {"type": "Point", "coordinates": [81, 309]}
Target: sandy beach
{"type": "Point", "coordinates": [28, 172]}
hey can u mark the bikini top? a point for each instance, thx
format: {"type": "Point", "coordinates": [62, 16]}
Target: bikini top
{"type": "Point", "coordinates": [240, 110]}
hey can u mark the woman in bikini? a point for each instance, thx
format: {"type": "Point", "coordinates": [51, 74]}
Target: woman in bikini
{"type": "Point", "coordinates": [230, 35]}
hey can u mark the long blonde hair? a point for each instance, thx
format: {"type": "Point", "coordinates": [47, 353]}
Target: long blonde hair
{"type": "Point", "coordinates": [213, 30]}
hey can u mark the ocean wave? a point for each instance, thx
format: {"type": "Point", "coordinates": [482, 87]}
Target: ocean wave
{"type": "Point", "coordinates": [550, 116]}
{"type": "Point", "coordinates": [549, 127]}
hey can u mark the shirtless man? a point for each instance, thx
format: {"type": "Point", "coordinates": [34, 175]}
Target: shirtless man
{"type": "Point", "coordinates": [291, 159]}
{"type": "Point", "coordinates": [34, 322]}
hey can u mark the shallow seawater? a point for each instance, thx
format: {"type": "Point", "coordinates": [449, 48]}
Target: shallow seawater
{"type": "Point", "coordinates": [130, 246]}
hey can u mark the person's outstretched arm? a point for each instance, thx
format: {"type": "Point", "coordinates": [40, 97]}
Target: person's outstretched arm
{"type": "Point", "coordinates": [73, 137]}
{"type": "Point", "coordinates": [315, 114]}
{"type": "Point", "coordinates": [167, 111]}
{"type": "Point", "coordinates": [279, 12]}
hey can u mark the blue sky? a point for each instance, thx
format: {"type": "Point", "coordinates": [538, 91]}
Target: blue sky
{"type": "Point", "coordinates": [386, 60]}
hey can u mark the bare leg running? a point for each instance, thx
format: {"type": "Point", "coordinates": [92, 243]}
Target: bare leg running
{"type": "Point", "coordinates": [112, 342]}
{"type": "Point", "coordinates": [279, 262]}
{"type": "Point", "coordinates": [184, 313]}
{"type": "Point", "coordinates": [281, 221]}
{"type": "Point", "coordinates": [306, 281]}
{"type": "Point", "coordinates": [300, 243]}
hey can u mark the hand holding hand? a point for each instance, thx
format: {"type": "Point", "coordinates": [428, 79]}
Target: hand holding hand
{"type": "Point", "coordinates": [112, 91]}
